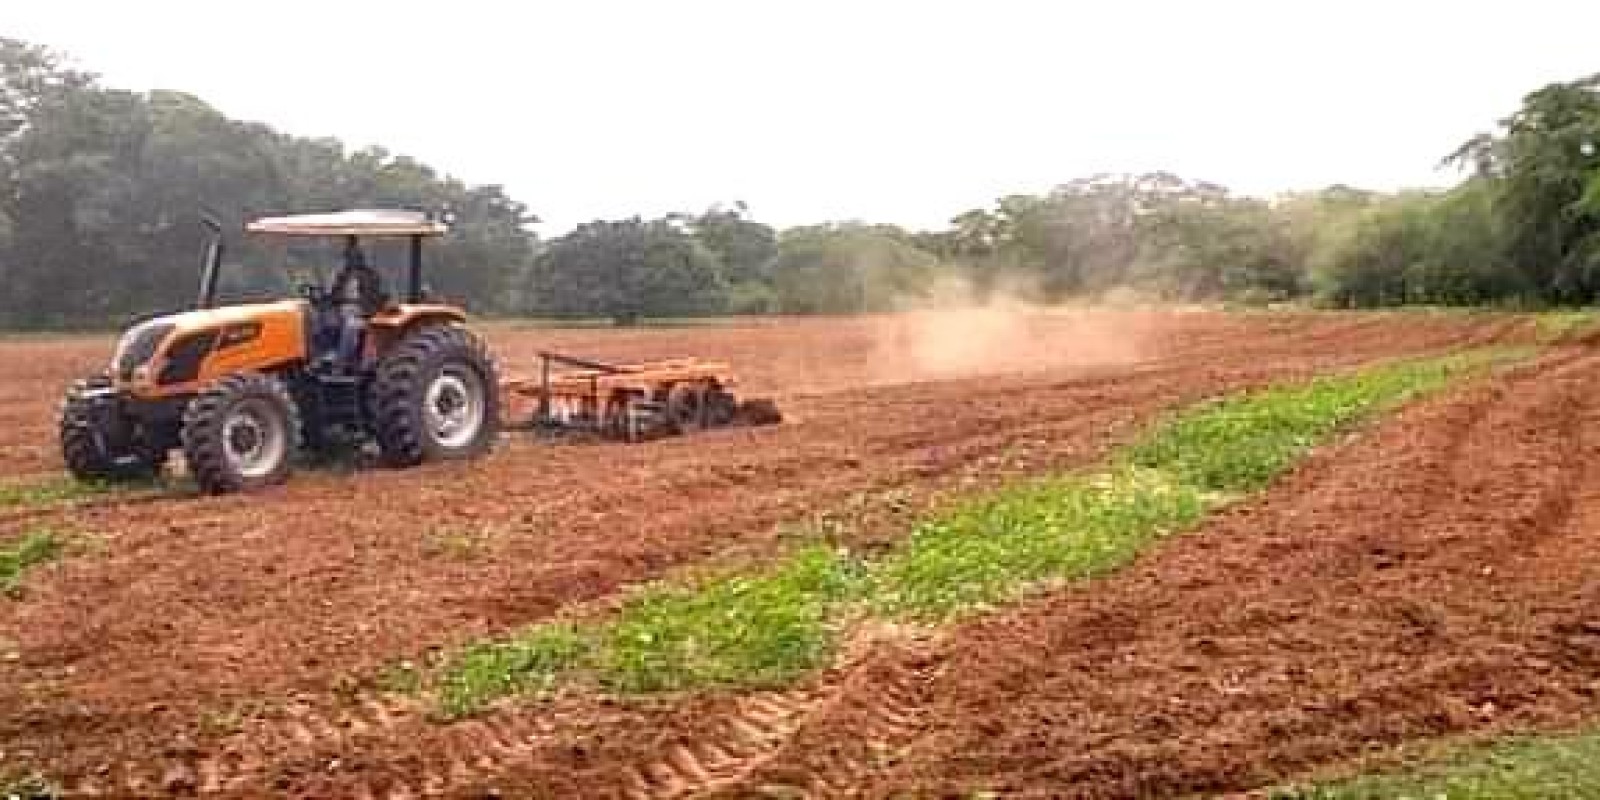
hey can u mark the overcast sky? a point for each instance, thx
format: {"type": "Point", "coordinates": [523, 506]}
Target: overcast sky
{"type": "Point", "coordinates": [813, 110]}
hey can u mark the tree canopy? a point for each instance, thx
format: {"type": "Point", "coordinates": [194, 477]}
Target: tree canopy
{"type": "Point", "coordinates": [100, 191]}
{"type": "Point", "coordinates": [629, 269]}
{"type": "Point", "coordinates": [1543, 173]}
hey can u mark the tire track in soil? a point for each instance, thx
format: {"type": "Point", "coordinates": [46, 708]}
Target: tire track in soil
{"type": "Point", "coordinates": [1312, 625]}
{"type": "Point", "coordinates": [285, 749]}
{"type": "Point", "coordinates": [829, 740]}
{"type": "Point", "coordinates": [877, 694]}
{"type": "Point", "coordinates": [851, 731]}
{"type": "Point", "coordinates": [879, 709]}
{"type": "Point", "coordinates": [873, 712]}
{"type": "Point", "coordinates": [731, 747]}
{"type": "Point", "coordinates": [286, 740]}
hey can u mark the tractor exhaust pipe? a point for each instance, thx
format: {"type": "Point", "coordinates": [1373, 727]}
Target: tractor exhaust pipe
{"type": "Point", "coordinates": [210, 263]}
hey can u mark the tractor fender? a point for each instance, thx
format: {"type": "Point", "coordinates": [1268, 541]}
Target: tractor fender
{"type": "Point", "coordinates": [392, 324]}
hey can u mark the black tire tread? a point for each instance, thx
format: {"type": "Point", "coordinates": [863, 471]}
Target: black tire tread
{"type": "Point", "coordinates": [721, 408]}
{"type": "Point", "coordinates": [202, 430]}
{"type": "Point", "coordinates": [397, 392]}
{"type": "Point", "coordinates": [686, 406]}
{"type": "Point", "coordinates": [81, 449]}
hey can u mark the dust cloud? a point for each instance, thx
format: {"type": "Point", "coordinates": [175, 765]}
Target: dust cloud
{"type": "Point", "coordinates": [952, 332]}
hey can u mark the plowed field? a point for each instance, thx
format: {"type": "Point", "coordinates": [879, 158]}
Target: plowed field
{"type": "Point", "coordinates": [1436, 575]}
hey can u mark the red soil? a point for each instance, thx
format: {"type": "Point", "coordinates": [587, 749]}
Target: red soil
{"type": "Point", "coordinates": [1211, 665]}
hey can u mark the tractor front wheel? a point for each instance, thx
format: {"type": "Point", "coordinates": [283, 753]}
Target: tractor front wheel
{"type": "Point", "coordinates": [240, 434]}
{"type": "Point", "coordinates": [436, 397]}
{"type": "Point", "coordinates": [98, 445]}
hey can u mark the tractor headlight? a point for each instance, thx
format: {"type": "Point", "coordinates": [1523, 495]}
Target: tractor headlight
{"type": "Point", "coordinates": [137, 347]}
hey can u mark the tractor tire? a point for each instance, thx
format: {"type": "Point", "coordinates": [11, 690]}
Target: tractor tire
{"type": "Point", "coordinates": [435, 397]}
{"type": "Point", "coordinates": [721, 408]}
{"type": "Point", "coordinates": [686, 407]}
{"type": "Point", "coordinates": [89, 441]}
{"type": "Point", "coordinates": [240, 434]}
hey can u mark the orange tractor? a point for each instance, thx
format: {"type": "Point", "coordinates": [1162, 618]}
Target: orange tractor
{"type": "Point", "coordinates": [241, 389]}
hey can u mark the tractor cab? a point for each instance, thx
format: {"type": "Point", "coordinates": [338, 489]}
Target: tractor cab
{"type": "Point", "coordinates": [353, 316]}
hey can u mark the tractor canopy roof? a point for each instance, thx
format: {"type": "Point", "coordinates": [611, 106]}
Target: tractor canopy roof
{"type": "Point", "coordinates": [358, 222]}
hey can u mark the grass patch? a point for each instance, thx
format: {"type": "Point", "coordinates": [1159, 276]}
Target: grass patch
{"type": "Point", "coordinates": [527, 664]}
{"type": "Point", "coordinates": [989, 550]}
{"type": "Point", "coordinates": [401, 677]}
{"type": "Point", "coordinates": [742, 630]}
{"type": "Point", "coordinates": [758, 630]}
{"type": "Point", "coordinates": [1522, 769]}
{"type": "Point", "coordinates": [27, 787]}
{"type": "Point", "coordinates": [994, 547]}
{"type": "Point", "coordinates": [60, 490]}
{"type": "Point", "coordinates": [457, 544]}
{"type": "Point", "coordinates": [223, 722]}
{"type": "Point", "coordinates": [1556, 326]}
{"type": "Point", "coordinates": [1239, 444]}
{"type": "Point", "coordinates": [33, 549]}
{"type": "Point", "coordinates": [770, 627]}
{"type": "Point", "coordinates": [69, 490]}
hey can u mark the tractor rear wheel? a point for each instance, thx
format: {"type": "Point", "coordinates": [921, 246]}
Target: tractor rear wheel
{"type": "Point", "coordinates": [436, 397]}
{"type": "Point", "coordinates": [240, 433]}
{"type": "Point", "coordinates": [97, 446]}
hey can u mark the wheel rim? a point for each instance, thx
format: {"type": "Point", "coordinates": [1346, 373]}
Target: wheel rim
{"type": "Point", "coordinates": [454, 407]}
{"type": "Point", "coordinates": [253, 439]}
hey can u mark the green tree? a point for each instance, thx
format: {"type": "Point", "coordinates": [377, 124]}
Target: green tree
{"type": "Point", "coordinates": [1543, 170]}
{"type": "Point", "coordinates": [628, 270]}
{"type": "Point", "coordinates": [1084, 237]}
{"type": "Point", "coordinates": [100, 189]}
{"type": "Point", "coordinates": [1214, 246]}
{"type": "Point", "coordinates": [847, 268]}
{"type": "Point", "coordinates": [1421, 247]}
{"type": "Point", "coordinates": [745, 251]}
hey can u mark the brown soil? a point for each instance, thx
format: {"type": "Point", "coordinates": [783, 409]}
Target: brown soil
{"type": "Point", "coordinates": [204, 643]}
{"type": "Point", "coordinates": [1439, 577]}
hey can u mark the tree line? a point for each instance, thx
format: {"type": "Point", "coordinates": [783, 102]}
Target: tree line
{"type": "Point", "coordinates": [99, 190]}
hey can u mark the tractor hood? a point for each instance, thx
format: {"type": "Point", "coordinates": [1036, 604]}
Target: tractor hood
{"type": "Point", "coordinates": [254, 336]}
{"type": "Point", "coordinates": [208, 318]}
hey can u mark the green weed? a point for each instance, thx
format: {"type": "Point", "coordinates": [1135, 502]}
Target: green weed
{"type": "Point", "coordinates": [1241, 443]}
{"type": "Point", "coordinates": [60, 490]}
{"type": "Point", "coordinates": [26, 787]}
{"type": "Point", "coordinates": [33, 549]}
{"type": "Point", "coordinates": [995, 546]}
{"type": "Point", "coordinates": [736, 630]}
{"type": "Point", "coordinates": [988, 550]}
{"type": "Point", "coordinates": [458, 544]}
{"type": "Point", "coordinates": [770, 627]}
{"type": "Point", "coordinates": [1556, 326]}
{"type": "Point", "coordinates": [730, 630]}
{"type": "Point", "coordinates": [527, 664]}
{"type": "Point", "coordinates": [223, 722]}
{"type": "Point", "coordinates": [232, 719]}
{"type": "Point", "coordinates": [401, 677]}
{"type": "Point", "coordinates": [1524, 769]}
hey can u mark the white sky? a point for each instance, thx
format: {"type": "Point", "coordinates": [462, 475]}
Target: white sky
{"type": "Point", "coordinates": [813, 110]}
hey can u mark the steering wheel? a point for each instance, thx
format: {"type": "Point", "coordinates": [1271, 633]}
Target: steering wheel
{"type": "Point", "coordinates": [317, 295]}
